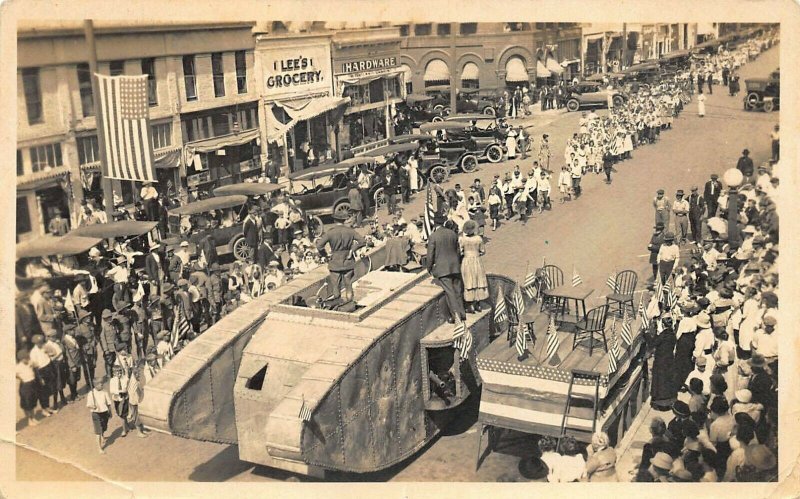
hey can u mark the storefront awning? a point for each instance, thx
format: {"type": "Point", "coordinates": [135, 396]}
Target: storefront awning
{"type": "Point", "coordinates": [300, 110]}
{"type": "Point", "coordinates": [553, 66]}
{"type": "Point", "coordinates": [352, 80]}
{"type": "Point", "coordinates": [541, 70]}
{"type": "Point", "coordinates": [470, 71]}
{"type": "Point", "coordinates": [211, 145]}
{"type": "Point", "coordinates": [516, 71]}
{"type": "Point", "coordinates": [170, 158]}
{"type": "Point", "coordinates": [437, 70]}
{"type": "Point", "coordinates": [41, 179]}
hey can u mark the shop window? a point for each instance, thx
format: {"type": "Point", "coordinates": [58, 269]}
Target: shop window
{"type": "Point", "coordinates": [221, 124]}
{"type": "Point", "coordinates": [376, 91]}
{"type": "Point", "coordinates": [116, 68]}
{"type": "Point", "coordinates": [359, 94]}
{"type": "Point", "coordinates": [468, 28]}
{"type": "Point", "coordinates": [20, 164]}
{"type": "Point", "coordinates": [45, 156]}
{"type": "Point", "coordinates": [393, 87]}
{"type": "Point", "coordinates": [443, 29]}
{"type": "Point", "coordinates": [23, 216]}
{"type": "Point", "coordinates": [403, 29]}
{"type": "Point", "coordinates": [189, 77]}
{"type": "Point", "coordinates": [33, 95]}
{"type": "Point", "coordinates": [149, 69]}
{"type": "Point", "coordinates": [422, 29]}
{"type": "Point", "coordinates": [241, 71]}
{"type": "Point", "coordinates": [161, 135]}
{"type": "Point", "coordinates": [88, 150]}
{"type": "Point", "coordinates": [218, 73]}
{"type": "Point", "coordinates": [85, 89]}
{"type": "Point", "coordinates": [127, 189]}
{"type": "Point", "coordinates": [248, 118]}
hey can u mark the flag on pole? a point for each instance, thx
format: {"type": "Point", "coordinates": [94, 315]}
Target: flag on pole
{"type": "Point", "coordinates": [180, 327]}
{"type": "Point", "coordinates": [305, 410]}
{"type": "Point", "coordinates": [626, 330]}
{"type": "Point", "coordinates": [521, 342]}
{"type": "Point", "coordinates": [612, 355]}
{"type": "Point", "coordinates": [69, 303]}
{"type": "Point", "coordinates": [552, 339]}
{"type": "Point", "coordinates": [518, 302]}
{"type": "Point", "coordinates": [500, 309]}
{"type": "Point", "coordinates": [658, 287]}
{"type": "Point", "coordinates": [427, 216]}
{"type": "Point", "coordinates": [126, 127]}
{"type": "Point", "coordinates": [643, 312]}
{"type": "Point", "coordinates": [611, 282]}
{"type": "Point", "coordinates": [672, 298]}
{"type": "Point", "coordinates": [666, 290]}
{"type": "Point", "coordinates": [528, 286]}
{"type": "Point", "coordinates": [462, 339]}
{"type": "Point", "coordinates": [576, 277]}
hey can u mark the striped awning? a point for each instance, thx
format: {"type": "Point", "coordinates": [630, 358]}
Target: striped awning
{"type": "Point", "coordinates": [437, 70]}
{"type": "Point", "coordinates": [470, 71]}
{"type": "Point", "coordinates": [516, 71]}
{"type": "Point", "coordinates": [553, 66]}
{"type": "Point", "coordinates": [541, 70]}
{"type": "Point", "coordinates": [41, 178]}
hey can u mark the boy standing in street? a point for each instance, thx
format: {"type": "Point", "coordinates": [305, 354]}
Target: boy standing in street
{"type": "Point", "coordinates": [99, 402]}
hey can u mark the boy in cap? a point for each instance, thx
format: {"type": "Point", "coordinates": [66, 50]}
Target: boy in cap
{"type": "Point", "coordinates": [99, 402]}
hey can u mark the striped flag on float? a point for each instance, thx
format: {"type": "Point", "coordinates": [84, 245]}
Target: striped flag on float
{"type": "Point", "coordinates": [626, 330]}
{"type": "Point", "coordinates": [643, 312]}
{"type": "Point", "coordinates": [126, 127]}
{"type": "Point", "coordinates": [577, 280]}
{"type": "Point", "coordinates": [305, 410]}
{"type": "Point", "coordinates": [518, 302]}
{"type": "Point", "coordinates": [521, 342]}
{"type": "Point", "coordinates": [528, 286]}
{"type": "Point", "coordinates": [462, 339]}
{"type": "Point", "coordinates": [612, 355]}
{"type": "Point", "coordinates": [552, 339]}
{"type": "Point", "coordinates": [428, 215]}
{"type": "Point", "coordinates": [611, 281]}
{"type": "Point", "coordinates": [500, 309]}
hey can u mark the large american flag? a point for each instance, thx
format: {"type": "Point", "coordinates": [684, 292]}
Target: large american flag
{"type": "Point", "coordinates": [126, 127]}
{"type": "Point", "coordinates": [180, 327]}
{"type": "Point", "coordinates": [430, 212]}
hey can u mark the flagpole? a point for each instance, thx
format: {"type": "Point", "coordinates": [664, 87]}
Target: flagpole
{"type": "Point", "coordinates": [91, 48]}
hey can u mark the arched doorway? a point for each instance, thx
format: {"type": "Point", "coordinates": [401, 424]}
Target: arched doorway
{"type": "Point", "coordinates": [470, 76]}
{"type": "Point", "coordinates": [516, 73]}
{"type": "Point", "coordinates": [437, 73]}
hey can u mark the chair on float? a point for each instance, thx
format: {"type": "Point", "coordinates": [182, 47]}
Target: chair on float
{"type": "Point", "coordinates": [554, 277]}
{"type": "Point", "coordinates": [622, 297]}
{"type": "Point", "coordinates": [594, 324]}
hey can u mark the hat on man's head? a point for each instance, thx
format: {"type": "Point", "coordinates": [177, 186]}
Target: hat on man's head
{"type": "Point", "coordinates": [182, 282]}
{"type": "Point", "coordinates": [106, 314]}
{"type": "Point", "coordinates": [681, 408]}
{"type": "Point", "coordinates": [669, 236]}
{"type": "Point", "coordinates": [83, 314]}
{"type": "Point", "coordinates": [701, 361]}
{"type": "Point", "coordinates": [703, 320]}
{"type": "Point", "coordinates": [659, 225]}
{"type": "Point", "coordinates": [757, 360]}
{"type": "Point", "coordinates": [770, 320]}
{"type": "Point", "coordinates": [744, 395]}
{"type": "Point", "coordinates": [694, 188]}
{"type": "Point", "coordinates": [660, 191]}
{"type": "Point", "coordinates": [714, 176]}
{"type": "Point", "coordinates": [151, 357]}
{"type": "Point", "coordinates": [662, 460]}
{"type": "Point", "coordinates": [749, 229]}
{"type": "Point", "coordinates": [184, 244]}
{"type": "Point", "coordinates": [679, 192]}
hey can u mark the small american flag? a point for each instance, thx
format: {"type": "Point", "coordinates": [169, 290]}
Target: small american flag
{"type": "Point", "coordinates": [658, 287]}
{"type": "Point", "coordinates": [576, 278]}
{"type": "Point", "coordinates": [305, 410]}
{"type": "Point", "coordinates": [500, 309]}
{"type": "Point", "coordinates": [552, 339]}
{"type": "Point", "coordinates": [180, 327]}
{"type": "Point", "coordinates": [611, 282]}
{"type": "Point", "coordinates": [126, 127]}
{"type": "Point", "coordinates": [612, 355]}
{"type": "Point", "coordinates": [528, 286]}
{"type": "Point", "coordinates": [462, 339]}
{"type": "Point", "coordinates": [643, 313]}
{"type": "Point", "coordinates": [666, 291]}
{"type": "Point", "coordinates": [69, 303]}
{"type": "Point", "coordinates": [519, 303]}
{"type": "Point", "coordinates": [521, 342]}
{"type": "Point", "coordinates": [428, 215]}
{"type": "Point", "coordinates": [626, 330]}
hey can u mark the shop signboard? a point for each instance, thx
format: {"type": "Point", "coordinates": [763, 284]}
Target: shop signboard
{"type": "Point", "coordinates": [375, 65]}
{"type": "Point", "coordinates": [297, 69]}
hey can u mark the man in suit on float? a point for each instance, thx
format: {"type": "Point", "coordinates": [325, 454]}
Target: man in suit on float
{"type": "Point", "coordinates": [445, 267]}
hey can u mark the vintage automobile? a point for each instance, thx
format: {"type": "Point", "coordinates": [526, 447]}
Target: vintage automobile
{"type": "Point", "coordinates": [468, 100]}
{"type": "Point", "coordinates": [645, 72]}
{"type": "Point", "coordinates": [484, 130]}
{"type": "Point", "coordinates": [591, 94]}
{"type": "Point", "coordinates": [456, 152]}
{"type": "Point", "coordinates": [223, 217]}
{"type": "Point", "coordinates": [418, 109]}
{"type": "Point", "coordinates": [762, 93]}
{"type": "Point", "coordinates": [678, 60]}
{"type": "Point", "coordinates": [59, 256]}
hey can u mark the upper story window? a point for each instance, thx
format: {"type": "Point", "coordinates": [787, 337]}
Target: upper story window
{"type": "Point", "coordinates": [116, 68]}
{"type": "Point", "coordinates": [149, 69]}
{"type": "Point", "coordinates": [403, 29]}
{"type": "Point", "coordinates": [20, 165]}
{"type": "Point", "coordinates": [48, 155]}
{"type": "Point", "coordinates": [189, 77]}
{"type": "Point", "coordinates": [468, 28]}
{"type": "Point", "coordinates": [33, 95]}
{"type": "Point", "coordinates": [422, 29]}
{"type": "Point", "coordinates": [88, 150]}
{"type": "Point", "coordinates": [218, 73]}
{"type": "Point", "coordinates": [443, 29]}
{"type": "Point", "coordinates": [241, 71]}
{"type": "Point", "coordinates": [85, 89]}
{"type": "Point", "coordinates": [161, 135]}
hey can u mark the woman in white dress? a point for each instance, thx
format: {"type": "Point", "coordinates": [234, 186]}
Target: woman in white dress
{"type": "Point", "coordinates": [413, 174]}
{"type": "Point", "coordinates": [701, 105]}
{"type": "Point", "coordinates": [511, 144]}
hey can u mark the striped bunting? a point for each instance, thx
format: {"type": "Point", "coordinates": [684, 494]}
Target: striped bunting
{"type": "Point", "coordinates": [500, 308]}
{"type": "Point", "coordinates": [611, 281]}
{"type": "Point", "coordinates": [124, 106]}
{"type": "Point", "coordinates": [577, 280]}
{"type": "Point", "coordinates": [613, 354]}
{"type": "Point", "coordinates": [626, 330]}
{"type": "Point", "coordinates": [305, 410]}
{"type": "Point", "coordinates": [528, 286]}
{"type": "Point", "coordinates": [643, 312]}
{"type": "Point", "coordinates": [552, 339]}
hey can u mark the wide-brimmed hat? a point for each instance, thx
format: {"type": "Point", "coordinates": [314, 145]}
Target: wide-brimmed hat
{"type": "Point", "coordinates": [744, 395]}
{"type": "Point", "coordinates": [662, 460]}
{"type": "Point", "coordinates": [701, 361]}
{"type": "Point", "coordinates": [681, 408]}
{"type": "Point", "coordinates": [83, 314]}
{"type": "Point", "coordinates": [470, 226]}
{"type": "Point", "coordinates": [703, 320]}
{"type": "Point", "coordinates": [669, 236]}
{"type": "Point", "coordinates": [770, 320]}
{"type": "Point", "coordinates": [106, 314]}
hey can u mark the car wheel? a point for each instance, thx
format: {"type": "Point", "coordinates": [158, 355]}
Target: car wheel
{"type": "Point", "coordinates": [342, 208]}
{"type": "Point", "coordinates": [379, 198]}
{"type": "Point", "coordinates": [438, 174]}
{"type": "Point", "coordinates": [241, 251]}
{"type": "Point", "coordinates": [446, 111]}
{"type": "Point", "coordinates": [469, 163]}
{"type": "Point", "coordinates": [753, 99]}
{"type": "Point", "coordinates": [489, 111]}
{"type": "Point", "coordinates": [769, 106]}
{"type": "Point", "coordinates": [494, 153]}
{"type": "Point", "coordinates": [438, 108]}
{"type": "Point", "coordinates": [437, 119]}
{"type": "Point", "coordinates": [618, 100]}
{"type": "Point", "coordinates": [573, 105]}
{"type": "Point", "coordinates": [421, 182]}
{"type": "Point", "coordinates": [315, 226]}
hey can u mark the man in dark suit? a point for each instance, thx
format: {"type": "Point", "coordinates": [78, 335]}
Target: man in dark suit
{"type": "Point", "coordinates": [710, 81]}
{"type": "Point", "coordinates": [174, 265]}
{"type": "Point", "coordinates": [656, 240]}
{"type": "Point", "coordinates": [152, 264]}
{"type": "Point", "coordinates": [252, 228]}
{"type": "Point", "coordinates": [208, 248]}
{"type": "Point", "coordinates": [696, 209]}
{"type": "Point", "coordinates": [265, 253]}
{"type": "Point", "coordinates": [745, 165]}
{"type": "Point", "coordinates": [445, 267]}
{"type": "Point", "coordinates": [711, 194]}
{"type": "Point", "coordinates": [343, 241]}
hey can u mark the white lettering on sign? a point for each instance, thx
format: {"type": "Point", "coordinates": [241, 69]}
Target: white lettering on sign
{"type": "Point", "coordinates": [369, 64]}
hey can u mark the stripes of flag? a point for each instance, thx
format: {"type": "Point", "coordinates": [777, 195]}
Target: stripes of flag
{"type": "Point", "coordinates": [667, 289]}
{"type": "Point", "coordinates": [521, 342]}
{"type": "Point", "coordinates": [427, 216]}
{"type": "Point", "coordinates": [305, 410]}
{"type": "Point", "coordinates": [626, 330]}
{"type": "Point", "coordinates": [462, 339]}
{"type": "Point", "coordinates": [643, 313]}
{"type": "Point", "coordinates": [180, 327]}
{"type": "Point", "coordinates": [126, 127]}
{"type": "Point", "coordinates": [500, 308]}
{"type": "Point", "coordinates": [577, 280]}
{"type": "Point", "coordinates": [611, 281]}
{"type": "Point", "coordinates": [552, 339]}
{"type": "Point", "coordinates": [613, 355]}
{"type": "Point", "coordinates": [672, 298]}
{"type": "Point", "coordinates": [528, 286]}
{"type": "Point", "coordinates": [518, 302]}
{"type": "Point", "coordinates": [658, 287]}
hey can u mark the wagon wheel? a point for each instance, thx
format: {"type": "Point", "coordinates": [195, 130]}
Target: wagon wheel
{"type": "Point", "coordinates": [342, 208]}
{"type": "Point", "coordinates": [573, 105]}
{"type": "Point", "coordinates": [769, 106]}
{"type": "Point", "coordinates": [241, 251]}
{"type": "Point", "coordinates": [494, 153]}
{"type": "Point", "coordinates": [379, 197]}
{"type": "Point", "coordinates": [438, 174]}
{"type": "Point", "coordinates": [469, 163]}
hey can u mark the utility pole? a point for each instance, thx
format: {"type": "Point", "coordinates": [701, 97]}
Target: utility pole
{"type": "Point", "coordinates": [454, 73]}
{"type": "Point", "coordinates": [624, 62]}
{"type": "Point", "coordinates": [108, 194]}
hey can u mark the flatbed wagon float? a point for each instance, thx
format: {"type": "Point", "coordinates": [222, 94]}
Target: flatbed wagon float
{"type": "Point", "coordinates": [308, 390]}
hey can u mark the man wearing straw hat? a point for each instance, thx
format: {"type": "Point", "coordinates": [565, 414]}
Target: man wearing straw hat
{"type": "Point", "coordinates": [343, 241]}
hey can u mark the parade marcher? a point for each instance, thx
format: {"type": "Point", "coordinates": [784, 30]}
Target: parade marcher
{"type": "Point", "coordinates": [443, 264]}
{"type": "Point", "coordinates": [711, 193]}
{"type": "Point", "coordinates": [680, 207]}
{"type": "Point", "coordinates": [662, 206]}
{"type": "Point", "coordinates": [343, 242]}
{"type": "Point", "coordinates": [28, 387]}
{"type": "Point", "coordinates": [697, 208]}
{"type": "Point", "coordinates": [100, 403]}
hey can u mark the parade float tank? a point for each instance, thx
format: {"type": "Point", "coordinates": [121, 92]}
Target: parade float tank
{"type": "Point", "coordinates": [374, 384]}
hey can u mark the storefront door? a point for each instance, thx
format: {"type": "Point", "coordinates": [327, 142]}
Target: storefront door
{"type": "Point", "coordinates": [52, 200]}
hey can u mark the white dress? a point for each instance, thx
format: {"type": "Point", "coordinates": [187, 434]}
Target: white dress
{"type": "Point", "coordinates": [511, 145]}
{"type": "Point", "coordinates": [701, 105]}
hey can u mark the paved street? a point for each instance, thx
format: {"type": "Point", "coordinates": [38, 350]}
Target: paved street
{"type": "Point", "coordinates": [606, 229]}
